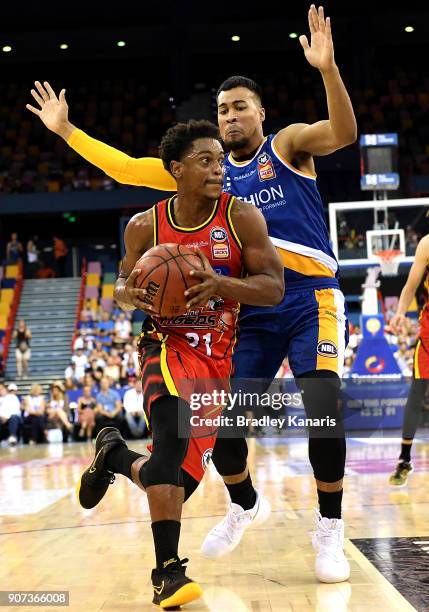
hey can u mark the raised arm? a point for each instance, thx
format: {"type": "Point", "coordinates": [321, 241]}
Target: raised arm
{"type": "Point", "coordinates": [264, 283]}
{"type": "Point", "coordinates": [143, 171]}
{"type": "Point", "coordinates": [414, 279]}
{"type": "Point", "coordinates": [339, 130]}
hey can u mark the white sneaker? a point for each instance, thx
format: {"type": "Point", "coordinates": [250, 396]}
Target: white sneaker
{"type": "Point", "coordinates": [226, 535]}
{"type": "Point", "coordinates": [328, 539]}
{"type": "Point", "coordinates": [12, 440]}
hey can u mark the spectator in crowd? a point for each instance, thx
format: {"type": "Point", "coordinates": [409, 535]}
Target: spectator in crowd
{"type": "Point", "coordinates": [112, 370]}
{"type": "Point", "coordinates": [99, 354]}
{"type": "Point", "coordinates": [34, 413]}
{"type": "Point", "coordinates": [32, 257]}
{"type": "Point", "coordinates": [109, 406]}
{"type": "Point", "coordinates": [88, 381]}
{"type": "Point", "coordinates": [123, 330]}
{"type": "Point", "coordinates": [60, 255]}
{"type": "Point", "coordinates": [14, 249]}
{"type": "Point", "coordinates": [57, 410]}
{"type": "Point", "coordinates": [71, 380]}
{"type": "Point", "coordinates": [44, 271]}
{"type": "Point", "coordinates": [106, 328]}
{"type": "Point", "coordinates": [81, 362]}
{"type": "Point", "coordinates": [86, 412]}
{"type": "Point", "coordinates": [133, 406]}
{"type": "Point", "coordinates": [85, 325]}
{"type": "Point", "coordinates": [130, 362]}
{"type": "Point", "coordinates": [10, 412]}
{"type": "Point", "coordinates": [88, 311]}
{"type": "Point", "coordinates": [348, 363]}
{"type": "Point", "coordinates": [22, 336]}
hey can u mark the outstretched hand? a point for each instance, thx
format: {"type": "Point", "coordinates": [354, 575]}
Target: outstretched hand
{"type": "Point", "coordinates": [53, 110]}
{"type": "Point", "coordinates": [320, 52]}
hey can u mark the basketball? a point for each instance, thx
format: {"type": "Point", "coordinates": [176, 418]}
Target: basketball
{"type": "Point", "coordinates": [164, 273]}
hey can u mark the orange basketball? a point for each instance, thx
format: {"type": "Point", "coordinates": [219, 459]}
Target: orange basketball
{"type": "Point", "coordinates": [164, 273]}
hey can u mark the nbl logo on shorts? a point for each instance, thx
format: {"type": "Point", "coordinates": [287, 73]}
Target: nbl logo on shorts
{"type": "Point", "coordinates": [219, 243]}
{"type": "Point", "coordinates": [206, 458]}
{"type": "Point", "coordinates": [326, 348]}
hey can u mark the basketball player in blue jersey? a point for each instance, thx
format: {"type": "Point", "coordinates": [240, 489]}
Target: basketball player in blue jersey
{"type": "Point", "coordinates": [276, 173]}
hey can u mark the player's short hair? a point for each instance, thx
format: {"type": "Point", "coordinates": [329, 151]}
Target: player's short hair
{"type": "Point", "coordinates": [178, 139]}
{"type": "Point", "coordinates": [240, 81]}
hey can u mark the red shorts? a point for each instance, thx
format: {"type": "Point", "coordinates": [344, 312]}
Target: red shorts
{"type": "Point", "coordinates": [421, 358]}
{"type": "Point", "coordinates": [181, 371]}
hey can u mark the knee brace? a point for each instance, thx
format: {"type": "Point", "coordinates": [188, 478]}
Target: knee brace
{"type": "Point", "coordinates": [230, 456]}
{"type": "Point", "coordinates": [169, 449]}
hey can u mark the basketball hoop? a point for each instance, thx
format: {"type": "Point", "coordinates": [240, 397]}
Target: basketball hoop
{"type": "Point", "coordinates": [389, 261]}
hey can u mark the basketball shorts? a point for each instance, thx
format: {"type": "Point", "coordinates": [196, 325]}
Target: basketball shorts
{"type": "Point", "coordinates": [311, 329]}
{"type": "Point", "coordinates": [421, 358]}
{"type": "Point", "coordinates": [182, 372]}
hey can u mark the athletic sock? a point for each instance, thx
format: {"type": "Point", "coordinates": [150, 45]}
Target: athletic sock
{"type": "Point", "coordinates": [242, 493]}
{"type": "Point", "coordinates": [405, 452]}
{"type": "Point", "coordinates": [120, 459]}
{"type": "Point", "coordinates": [166, 539]}
{"type": "Point", "coordinates": [330, 503]}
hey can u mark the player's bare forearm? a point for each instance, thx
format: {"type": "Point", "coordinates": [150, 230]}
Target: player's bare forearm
{"type": "Point", "coordinates": [405, 299]}
{"type": "Point", "coordinates": [255, 290]}
{"type": "Point", "coordinates": [342, 120]}
{"type": "Point", "coordinates": [65, 130]}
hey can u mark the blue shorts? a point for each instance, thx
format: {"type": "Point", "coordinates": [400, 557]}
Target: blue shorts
{"type": "Point", "coordinates": [311, 329]}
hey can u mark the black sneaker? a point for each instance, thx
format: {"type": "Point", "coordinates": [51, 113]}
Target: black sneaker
{"type": "Point", "coordinates": [96, 479]}
{"type": "Point", "coordinates": [171, 587]}
{"type": "Point", "coordinates": [400, 475]}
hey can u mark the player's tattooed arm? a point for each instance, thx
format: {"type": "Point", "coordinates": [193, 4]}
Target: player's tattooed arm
{"type": "Point", "coordinates": [414, 279]}
{"type": "Point", "coordinates": [138, 238]}
{"type": "Point", "coordinates": [264, 283]}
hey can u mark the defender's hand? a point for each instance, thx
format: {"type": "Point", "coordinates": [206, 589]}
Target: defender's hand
{"type": "Point", "coordinates": [198, 295]}
{"type": "Point", "coordinates": [53, 111]}
{"type": "Point", "coordinates": [320, 52]}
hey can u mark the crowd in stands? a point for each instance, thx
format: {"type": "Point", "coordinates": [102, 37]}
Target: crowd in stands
{"type": "Point", "coordinates": [128, 115]}
{"type": "Point", "coordinates": [124, 113]}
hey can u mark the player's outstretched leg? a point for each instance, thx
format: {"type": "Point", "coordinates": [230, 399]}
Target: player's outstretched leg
{"type": "Point", "coordinates": [248, 508]}
{"type": "Point", "coordinates": [96, 479]}
{"type": "Point", "coordinates": [412, 414]}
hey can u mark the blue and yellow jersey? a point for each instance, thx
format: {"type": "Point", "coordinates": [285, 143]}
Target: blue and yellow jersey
{"type": "Point", "coordinates": [293, 210]}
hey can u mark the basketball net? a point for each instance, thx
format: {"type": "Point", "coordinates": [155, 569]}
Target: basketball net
{"type": "Point", "coordinates": [389, 261]}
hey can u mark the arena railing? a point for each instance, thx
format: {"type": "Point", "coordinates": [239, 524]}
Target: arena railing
{"type": "Point", "coordinates": [12, 313]}
{"type": "Point", "coordinates": [81, 298]}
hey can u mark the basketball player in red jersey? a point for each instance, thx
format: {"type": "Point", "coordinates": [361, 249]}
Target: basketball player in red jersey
{"type": "Point", "coordinates": [231, 237]}
{"type": "Point", "coordinates": [414, 405]}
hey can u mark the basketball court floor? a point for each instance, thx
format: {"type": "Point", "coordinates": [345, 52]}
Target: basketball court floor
{"type": "Point", "coordinates": [103, 556]}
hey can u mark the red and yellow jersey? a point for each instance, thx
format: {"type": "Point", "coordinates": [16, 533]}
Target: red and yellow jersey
{"type": "Point", "coordinates": [209, 330]}
{"type": "Point", "coordinates": [424, 314]}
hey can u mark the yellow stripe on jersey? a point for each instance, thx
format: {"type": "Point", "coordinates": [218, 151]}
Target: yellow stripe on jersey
{"type": "Point", "coordinates": [416, 360]}
{"type": "Point", "coordinates": [189, 229]}
{"type": "Point", "coordinates": [303, 264]}
{"type": "Point", "coordinates": [166, 374]}
{"type": "Point", "coordinates": [155, 229]}
{"type": "Point", "coordinates": [328, 328]}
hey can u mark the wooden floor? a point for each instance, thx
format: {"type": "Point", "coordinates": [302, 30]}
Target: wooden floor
{"type": "Point", "coordinates": [103, 556]}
